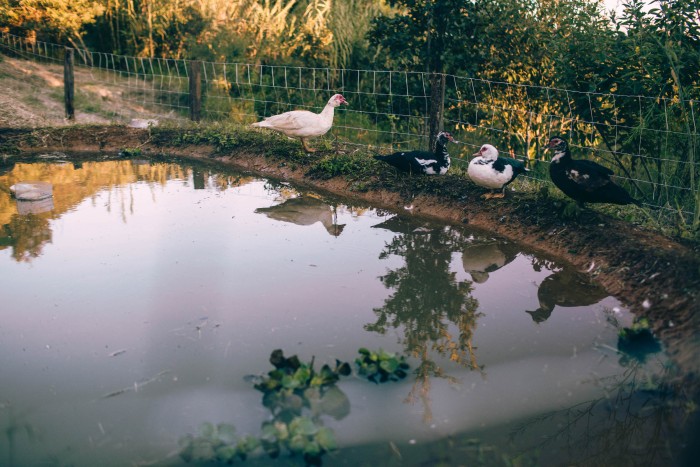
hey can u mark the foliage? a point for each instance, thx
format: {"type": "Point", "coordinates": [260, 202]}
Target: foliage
{"type": "Point", "coordinates": [297, 31]}
{"type": "Point", "coordinates": [55, 20]}
{"type": "Point", "coordinates": [637, 342]}
{"type": "Point", "coordinates": [583, 68]}
{"type": "Point", "coordinates": [381, 366]}
{"type": "Point", "coordinates": [296, 395]}
{"type": "Point", "coordinates": [653, 52]}
{"type": "Point", "coordinates": [284, 386]}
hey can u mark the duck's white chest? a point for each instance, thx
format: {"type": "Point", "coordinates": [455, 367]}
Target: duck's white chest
{"type": "Point", "coordinates": [482, 173]}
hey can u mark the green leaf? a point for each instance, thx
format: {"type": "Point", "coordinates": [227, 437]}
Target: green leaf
{"type": "Point", "coordinates": [312, 448]}
{"type": "Point", "coordinates": [207, 430]}
{"type": "Point", "coordinates": [201, 451]}
{"type": "Point", "coordinates": [389, 365]}
{"type": "Point", "coordinates": [343, 369]}
{"type": "Point", "coordinates": [290, 382]}
{"type": "Point", "coordinates": [304, 426]}
{"type": "Point", "coordinates": [268, 432]}
{"type": "Point", "coordinates": [326, 439]}
{"type": "Point", "coordinates": [226, 432]}
{"type": "Point", "coordinates": [226, 453]}
{"type": "Point", "coordinates": [297, 443]}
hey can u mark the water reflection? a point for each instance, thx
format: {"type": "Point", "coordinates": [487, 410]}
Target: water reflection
{"type": "Point", "coordinates": [34, 207]}
{"type": "Point", "coordinates": [629, 424]}
{"type": "Point", "coordinates": [428, 288]}
{"type": "Point", "coordinates": [427, 301]}
{"type": "Point", "coordinates": [25, 226]}
{"type": "Point", "coordinates": [565, 288]}
{"type": "Point", "coordinates": [6, 166]}
{"type": "Point", "coordinates": [305, 210]}
{"type": "Point", "coordinates": [26, 235]}
{"type": "Point", "coordinates": [485, 256]}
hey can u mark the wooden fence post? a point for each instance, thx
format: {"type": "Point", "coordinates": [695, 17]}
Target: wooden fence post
{"type": "Point", "coordinates": [437, 107]}
{"type": "Point", "coordinates": [195, 90]}
{"type": "Point", "coordinates": [69, 83]}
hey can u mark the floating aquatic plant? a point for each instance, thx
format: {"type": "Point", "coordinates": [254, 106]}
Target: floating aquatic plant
{"type": "Point", "coordinates": [381, 366]}
{"type": "Point", "coordinates": [638, 341]}
{"type": "Point", "coordinates": [217, 443]}
{"type": "Point", "coordinates": [297, 395]}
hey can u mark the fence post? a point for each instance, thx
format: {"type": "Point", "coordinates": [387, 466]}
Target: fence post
{"type": "Point", "coordinates": [195, 90]}
{"type": "Point", "coordinates": [69, 84]}
{"type": "Point", "coordinates": [437, 106]}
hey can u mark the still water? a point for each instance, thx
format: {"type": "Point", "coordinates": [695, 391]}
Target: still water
{"type": "Point", "coordinates": [139, 299]}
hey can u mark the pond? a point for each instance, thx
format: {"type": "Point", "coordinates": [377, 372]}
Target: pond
{"type": "Point", "coordinates": [142, 302]}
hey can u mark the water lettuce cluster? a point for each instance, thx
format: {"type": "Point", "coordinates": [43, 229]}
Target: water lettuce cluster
{"type": "Point", "coordinates": [297, 396]}
{"type": "Point", "coordinates": [381, 366]}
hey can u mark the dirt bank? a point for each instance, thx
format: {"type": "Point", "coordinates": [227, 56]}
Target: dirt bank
{"type": "Point", "coordinates": [655, 276]}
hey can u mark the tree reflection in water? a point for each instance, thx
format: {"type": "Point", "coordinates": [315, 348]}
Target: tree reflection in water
{"type": "Point", "coordinates": [26, 235]}
{"type": "Point", "coordinates": [642, 410]}
{"type": "Point", "coordinates": [428, 303]}
{"type": "Point", "coordinates": [25, 227]}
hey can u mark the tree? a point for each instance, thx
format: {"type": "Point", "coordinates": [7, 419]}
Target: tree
{"type": "Point", "coordinates": [51, 20]}
{"type": "Point", "coordinates": [644, 67]}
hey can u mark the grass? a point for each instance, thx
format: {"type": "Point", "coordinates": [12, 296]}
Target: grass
{"type": "Point", "coordinates": [534, 198]}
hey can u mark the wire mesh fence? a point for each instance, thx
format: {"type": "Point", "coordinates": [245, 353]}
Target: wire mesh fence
{"type": "Point", "coordinates": [650, 142]}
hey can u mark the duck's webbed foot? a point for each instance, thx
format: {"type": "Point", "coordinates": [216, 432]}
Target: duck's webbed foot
{"type": "Point", "coordinates": [493, 194]}
{"type": "Point", "coordinates": [306, 146]}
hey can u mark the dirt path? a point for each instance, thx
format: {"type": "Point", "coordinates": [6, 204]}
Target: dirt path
{"type": "Point", "coordinates": [655, 276]}
{"type": "Point", "coordinates": [32, 96]}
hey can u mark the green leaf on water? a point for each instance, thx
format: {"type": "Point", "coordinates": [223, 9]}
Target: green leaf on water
{"type": "Point", "coordinates": [326, 439]}
{"type": "Point", "coordinates": [226, 453]}
{"type": "Point", "coordinates": [207, 430]}
{"type": "Point", "coordinates": [226, 433]}
{"type": "Point", "coordinates": [303, 426]}
{"type": "Point", "coordinates": [297, 443]}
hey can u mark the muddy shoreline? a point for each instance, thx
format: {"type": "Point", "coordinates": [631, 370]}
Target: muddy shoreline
{"type": "Point", "coordinates": [655, 276]}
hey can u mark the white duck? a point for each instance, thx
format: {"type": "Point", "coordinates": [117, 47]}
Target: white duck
{"type": "Point", "coordinates": [303, 124]}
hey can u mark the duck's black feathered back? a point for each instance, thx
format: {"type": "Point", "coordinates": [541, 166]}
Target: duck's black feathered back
{"type": "Point", "coordinates": [583, 180]}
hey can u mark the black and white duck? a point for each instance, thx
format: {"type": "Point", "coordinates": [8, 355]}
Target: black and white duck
{"type": "Point", "coordinates": [582, 180]}
{"type": "Point", "coordinates": [429, 163]}
{"type": "Point", "coordinates": [489, 170]}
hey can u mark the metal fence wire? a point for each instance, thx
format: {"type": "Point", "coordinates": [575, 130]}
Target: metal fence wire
{"type": "Point", "coordinates": [650, 142]}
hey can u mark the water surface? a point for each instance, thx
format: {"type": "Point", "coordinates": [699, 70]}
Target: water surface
{"type": "Point", "coordinates": [135, 304]}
